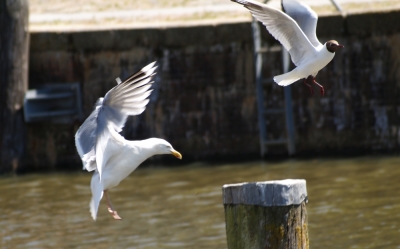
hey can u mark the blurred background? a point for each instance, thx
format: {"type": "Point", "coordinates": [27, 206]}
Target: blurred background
{"type": "Point", "coordinates": [58, 60]}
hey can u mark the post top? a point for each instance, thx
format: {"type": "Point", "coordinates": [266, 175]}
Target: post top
{"type": "Point", "coordinates": [269, 193]}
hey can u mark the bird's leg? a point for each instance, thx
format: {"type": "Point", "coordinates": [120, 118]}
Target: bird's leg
{"type": "Point", "coordinates": [309, 86]}
{"type": "Point", "coordinates": [110, 207]}
{"type": "Point", "coordinates": [321, 88]}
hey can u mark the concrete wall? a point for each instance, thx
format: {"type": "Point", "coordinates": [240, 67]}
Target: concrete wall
{"type": "Point", "coordinates": [204, 100]}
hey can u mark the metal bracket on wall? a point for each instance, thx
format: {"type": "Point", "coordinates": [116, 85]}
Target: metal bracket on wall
{"type": "Point", "coordinates": [55, 103]}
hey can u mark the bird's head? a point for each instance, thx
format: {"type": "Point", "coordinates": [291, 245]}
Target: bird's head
{"type": "Point", "coordinates": [163, 147]}
{"type": "Point", "coordinates": [332, 46]}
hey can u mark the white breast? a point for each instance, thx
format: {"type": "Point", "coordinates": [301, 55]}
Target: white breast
{"type": "Point", "coordinates": [122, 163]}
{"type": "Point", "coordinates": [311, 66]}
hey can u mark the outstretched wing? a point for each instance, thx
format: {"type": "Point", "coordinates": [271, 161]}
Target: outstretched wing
{"type": "Point", "coordinates": [283, 28]}
{"type": "Point", "coordinates": [126, 98]}
{"type": "Point", "coordinates": [305, 17]}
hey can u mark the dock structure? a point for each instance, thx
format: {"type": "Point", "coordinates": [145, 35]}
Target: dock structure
{"type": "Point", "coordinates": [206, 90]}
{"type": "Point", "coordinates": [269, 214]}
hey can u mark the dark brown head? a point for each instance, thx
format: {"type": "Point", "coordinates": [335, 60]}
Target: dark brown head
{"type": "Point", "coordinates": [333, 45]}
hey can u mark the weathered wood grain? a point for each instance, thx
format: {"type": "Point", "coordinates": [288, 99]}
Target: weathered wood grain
{"type": "Point", "coordinates": [266, 215]}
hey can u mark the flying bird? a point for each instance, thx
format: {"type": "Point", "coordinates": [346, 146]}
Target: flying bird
{"type": "Point", "coordinates": [296, 31]}
{"type": "Point", "coordinates": [101, 147]}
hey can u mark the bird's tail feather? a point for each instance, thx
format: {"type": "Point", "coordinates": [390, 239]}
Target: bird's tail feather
{"type": "Point", "coordinates": [286, 79]}
{"type": "Point", "coordinates": [97, 194]}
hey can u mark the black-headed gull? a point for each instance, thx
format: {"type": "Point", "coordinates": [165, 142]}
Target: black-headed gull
{"type": "Point", "coordinates": [296, 31]}
{"type": "Point", "coordinates": [104, 150]}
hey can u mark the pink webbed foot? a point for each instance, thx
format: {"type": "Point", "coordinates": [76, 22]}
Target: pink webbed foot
{"type": "Point", "coordinates": [110, 207]}
{"type": "Point", "coordinates": [114, 214]}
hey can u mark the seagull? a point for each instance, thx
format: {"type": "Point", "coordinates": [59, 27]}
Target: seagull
{"type": "Point", "coordinates": [296, 31]}
{"type": "Point", "coordinates": [101, 147]}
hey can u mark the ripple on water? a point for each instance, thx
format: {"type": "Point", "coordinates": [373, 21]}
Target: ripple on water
{"type": "Point", "coordinates": [353, 203]}
{"type": "Point", "coordinates": [177, 184]}
{"type": "Point", "coordinates": [175, 244]}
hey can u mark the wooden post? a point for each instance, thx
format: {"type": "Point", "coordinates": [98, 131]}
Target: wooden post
{"type": "Point", "coordinates": [14, 50]}
{"type": "Point", "coordinates": [269, 214]}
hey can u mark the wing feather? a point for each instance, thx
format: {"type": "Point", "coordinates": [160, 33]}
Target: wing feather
{"type": "Point", "coordinates": [283, 28]}
{"type": "Point", "coordinates": [305, 17]}
{"type": "Point", "coordinates": [138, 91]}
{"type": "Point", "coordinates": [129, 97]}
{"type": "Point", "coordinates": [134, 91]}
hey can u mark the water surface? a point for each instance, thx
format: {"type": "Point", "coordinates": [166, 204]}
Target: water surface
{"type": "Point", "coordinates": [353, 203]}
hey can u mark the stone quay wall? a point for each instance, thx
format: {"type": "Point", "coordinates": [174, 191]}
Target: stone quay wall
{"type": "Point", "coordinates": [204, 98]}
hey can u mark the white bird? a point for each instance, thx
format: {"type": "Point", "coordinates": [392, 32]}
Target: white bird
{"type": "Point", "coordinates": [104, 150]}
{"type": "Point", "coordinates": [296, 31]}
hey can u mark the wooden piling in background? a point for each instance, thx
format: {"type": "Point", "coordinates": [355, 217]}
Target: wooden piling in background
{"type": "Point", "coordinates": [14, 54]}
{"type": "Point", "coordinates": [269, 214]}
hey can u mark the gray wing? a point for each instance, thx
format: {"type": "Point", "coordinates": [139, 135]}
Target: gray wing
{"type": "Point", "coordinates": [126, 98]}
{"type": "Point", "coordinates": [305, 17]}
{"type": "Point", "coordinates": [283, 28]}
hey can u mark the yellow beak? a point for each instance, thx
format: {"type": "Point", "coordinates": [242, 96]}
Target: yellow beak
{"type": "Point", "coordinates": [176, 154]}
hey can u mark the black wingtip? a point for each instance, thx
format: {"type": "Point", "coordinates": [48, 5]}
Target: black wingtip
{"type": "Point", "coordinates": [142, 72]}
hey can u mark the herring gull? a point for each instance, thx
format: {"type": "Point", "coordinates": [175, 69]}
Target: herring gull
{"type": "Point", "coordinates": [101, 147]}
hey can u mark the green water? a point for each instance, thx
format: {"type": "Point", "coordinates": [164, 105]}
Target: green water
{"type": "Point", "coordinates": [353, 203]}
